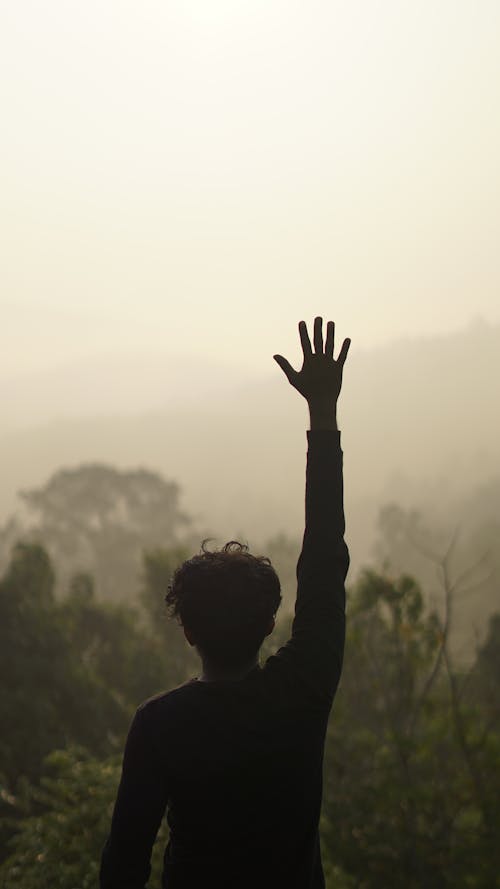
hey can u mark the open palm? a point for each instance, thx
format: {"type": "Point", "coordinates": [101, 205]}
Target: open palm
{"type": "Point", "coordinates": [320, 377]}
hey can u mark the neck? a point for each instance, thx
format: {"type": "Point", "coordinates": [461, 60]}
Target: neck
{"type": "Point", "coordinates": [212, 673]}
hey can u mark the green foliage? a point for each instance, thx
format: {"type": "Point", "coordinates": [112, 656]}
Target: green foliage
{"type": "Point", "coordinates": [411, 544]}
{"type": "Point", "coordinates": [179, 660]}
{"type": "Point", "coordinates": [73, 671]}
{"type": "Point", "coordinates": [412, 763]}
{"type": "Point", "coordinates": [100, 519]}
{"type": "Point", "coordinates": [30, 577]}
{"type": "Point", "coordinates": [47, 698]}
{"type": "Point", "coordinates": [113, 646]}
{"type": "Point", "coordinates": [283, 552]}
{"type": "Point", "coordinates": [59, 843]}
{"type": "Point", "coordinates": [486, 678]}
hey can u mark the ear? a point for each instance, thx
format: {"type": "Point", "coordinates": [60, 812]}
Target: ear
{"type": "Point", "coordinates": [188, 635]}
{"type": "Point", "coordinates": [271, 627]}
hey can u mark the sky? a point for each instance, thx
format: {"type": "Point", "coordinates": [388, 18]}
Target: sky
{"type": "Point", "coordinates": [191, 178]}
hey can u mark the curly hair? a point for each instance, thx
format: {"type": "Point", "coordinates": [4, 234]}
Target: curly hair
{"type": "Point", "coordinates": [227, 599]}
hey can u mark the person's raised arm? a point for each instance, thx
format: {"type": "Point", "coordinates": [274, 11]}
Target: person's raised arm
{"type": "Point", "coordinates": [317, 644]}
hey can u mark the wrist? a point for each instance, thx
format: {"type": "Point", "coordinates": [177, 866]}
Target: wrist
{"type": "Point", "coordinates": [323, 415]}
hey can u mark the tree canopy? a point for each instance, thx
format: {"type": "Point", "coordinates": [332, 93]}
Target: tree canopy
{"type": "Point", "coordinates": [99, 519]}
{"type": "Point", "coordinates": [412, 762]}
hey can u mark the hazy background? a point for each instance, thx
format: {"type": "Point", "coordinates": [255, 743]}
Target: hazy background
{"type": "Point", "coordinates": [184, 181]}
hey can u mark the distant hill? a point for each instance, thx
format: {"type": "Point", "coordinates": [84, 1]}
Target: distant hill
{"type": "Point", "coordinates": [105, 384]}
{"type": "Point", "coordinates": [419, 418]}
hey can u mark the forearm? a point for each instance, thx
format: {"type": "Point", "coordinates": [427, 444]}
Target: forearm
{"type": "Point", "coordinates": [324, 497]}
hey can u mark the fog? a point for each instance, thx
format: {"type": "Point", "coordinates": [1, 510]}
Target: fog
{"type": "Point", "coordinates": [192, 179]}
{"type": "Point", "coordinates": [183, 183]}
{"type": "Point", "coordinates": [419, 421]}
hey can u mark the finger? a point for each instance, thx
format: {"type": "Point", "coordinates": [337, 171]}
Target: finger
{"type": "Point", "coordinates": [330, 337]}
{"type": "Point", "coordinates": [286, 367]}
{"type": "Point", "coordinates": [318, 336]}
{"type": "Point", "coordinates": [304, 339]}
{"type": "Point", "coordinates": [343, 352]}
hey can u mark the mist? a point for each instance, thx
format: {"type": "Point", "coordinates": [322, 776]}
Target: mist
{"type": "Point", "coordinates": [419, 421]}
{"type": "Point", "coordinates": [182, 183]}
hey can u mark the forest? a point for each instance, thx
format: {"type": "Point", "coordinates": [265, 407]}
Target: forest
{"type": "Point", "coordinates": [412, 761]}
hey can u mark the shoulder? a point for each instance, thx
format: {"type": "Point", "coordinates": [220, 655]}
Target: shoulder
{"type": "Point", "coordinates": [160, 721]}
{"type": "Point", "coordinates": [166, 700]}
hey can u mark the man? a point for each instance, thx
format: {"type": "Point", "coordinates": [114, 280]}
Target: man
{"type": "Point", "coordinates": [235, 757]}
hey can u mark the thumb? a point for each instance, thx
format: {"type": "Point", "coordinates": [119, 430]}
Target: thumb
{"type": "Point", "coordinates": [286, 367]}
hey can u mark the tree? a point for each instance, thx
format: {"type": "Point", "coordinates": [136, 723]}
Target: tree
{"type": "Point", "coordinates": [99, 519]}
{"type": "Point", "coordinates": [47, 697]}
{"type": "Point", "coordinates": [411, 544]}
{"type": "Point", "coordinates": [283, 551]}
{"type": "Point", "coordinates": [112, 643]}
{"type": "Point", "coordinates": [412, 762]}
{"type": "Point", "coordinates": [58, 842]}
{"type": "Point", "coordinates": [158, 567]}
{"type": "Point", "coordinates": [74, 670]}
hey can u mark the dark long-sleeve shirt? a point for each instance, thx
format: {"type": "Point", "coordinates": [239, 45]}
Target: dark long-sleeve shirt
{"type": "Point", "coordinates": [237, 765]}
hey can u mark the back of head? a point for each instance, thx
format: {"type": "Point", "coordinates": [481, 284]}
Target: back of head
{"type": "Point", "coordinates": [227, 600]}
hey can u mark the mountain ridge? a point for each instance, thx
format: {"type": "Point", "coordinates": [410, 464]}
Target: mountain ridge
{"type": "Point", "coordinates": [417, 416]}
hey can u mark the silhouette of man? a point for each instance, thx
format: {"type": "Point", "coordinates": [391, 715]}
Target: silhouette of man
{"type": "Point", "coordinates": [235, 757]}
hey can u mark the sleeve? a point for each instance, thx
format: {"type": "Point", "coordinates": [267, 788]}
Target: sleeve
{"type": "Point", "coordinates": [314, 654]}
{"type": "Point", "coordinates": [140, 805]}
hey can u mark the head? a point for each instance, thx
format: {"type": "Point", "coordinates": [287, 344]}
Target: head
{"type": "Point", "coordinates": [226, 600]}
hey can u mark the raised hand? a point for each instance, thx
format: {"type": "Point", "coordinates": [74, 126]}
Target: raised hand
{"type": "Point", "coordinates": [320, 378]}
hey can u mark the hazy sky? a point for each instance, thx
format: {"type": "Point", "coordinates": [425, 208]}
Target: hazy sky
{"type": "Point", "coordinates": [196, 175]}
